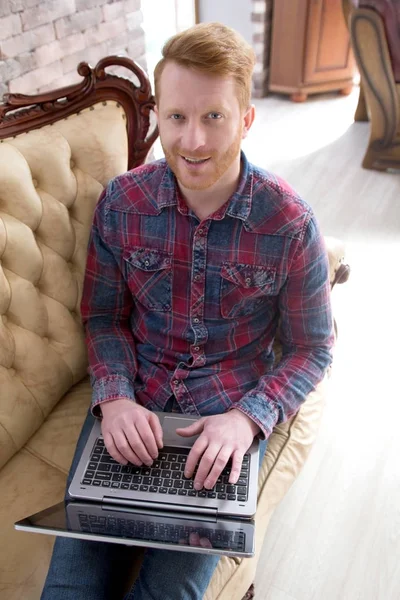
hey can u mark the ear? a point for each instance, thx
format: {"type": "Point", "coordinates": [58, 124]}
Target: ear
{"type": "Point", "coordinates": [156, 111]}
{"type": "Point", "coordinates": [248, 119]}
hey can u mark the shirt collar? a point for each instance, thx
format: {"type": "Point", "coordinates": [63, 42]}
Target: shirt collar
{"type": "Point", "coordinates": [238, 205]}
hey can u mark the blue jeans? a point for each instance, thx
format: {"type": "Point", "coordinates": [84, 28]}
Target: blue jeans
{"type": "Point", "coordinates": [85, 570]}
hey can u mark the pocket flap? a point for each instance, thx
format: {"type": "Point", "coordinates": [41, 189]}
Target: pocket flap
{"type": "Point", "coordinates": [147, 259]}
{"type": "Point", "coordinates": [249, 276]}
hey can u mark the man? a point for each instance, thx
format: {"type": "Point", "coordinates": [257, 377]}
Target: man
{"type": "Point", "coordinates": [192, 262]}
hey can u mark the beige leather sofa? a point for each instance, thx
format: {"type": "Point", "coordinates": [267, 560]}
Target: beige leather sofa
{"type": "Point", "coordinates": [55, 158]}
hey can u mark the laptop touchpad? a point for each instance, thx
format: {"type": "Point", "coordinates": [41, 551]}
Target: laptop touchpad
{"type": "Point", "coordinates": [171, 438]}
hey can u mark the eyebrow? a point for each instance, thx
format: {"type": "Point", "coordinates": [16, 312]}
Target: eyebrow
{"type": "Point", "coordinates": [219, 109]}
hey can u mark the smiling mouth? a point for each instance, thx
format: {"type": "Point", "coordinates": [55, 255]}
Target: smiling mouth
{"type": "Point", "coordinates": [195, 161]}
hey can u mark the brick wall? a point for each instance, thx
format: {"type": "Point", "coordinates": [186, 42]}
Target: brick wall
{"type": "Point", "coordinates": [261, 17]}
{"type": "Point", "coordinates": [42, 41]}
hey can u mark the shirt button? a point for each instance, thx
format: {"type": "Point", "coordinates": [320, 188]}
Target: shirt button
{"type": "Point", "coordinates": [146, 262]}
{"type": "Point", "coordinates": [200, 231]}
{"type": "Point", "coordinates": [176, 382]}
{"type": "Point", "coordinates": [248, 280]}
{"type": "Point", "coordinates": [196, 348]}
{"type": "Point", "coordinates": [196, 277]}
{"type": "Point", "coordinates": [196, 320]}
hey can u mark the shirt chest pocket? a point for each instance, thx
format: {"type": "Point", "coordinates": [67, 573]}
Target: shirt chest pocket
{"type": "Point", "coordinates": [245, 288]}
{"type": "Point", "coordinates": [148, 273]}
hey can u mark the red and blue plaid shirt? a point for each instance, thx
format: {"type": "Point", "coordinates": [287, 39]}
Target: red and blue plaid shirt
{"type": "Point", "coordinates": [175, 306]}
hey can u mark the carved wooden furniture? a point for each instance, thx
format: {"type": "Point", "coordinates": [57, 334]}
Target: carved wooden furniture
{"type": "Point", "coordinates": [57, 152]}
{"type": "Point", "coordinates": [375, 37]}
{"type": "Point", "coordinates": [310, 50]}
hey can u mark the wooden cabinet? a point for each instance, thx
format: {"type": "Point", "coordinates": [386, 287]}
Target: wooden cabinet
{"type": "Point", "coordinates": [310, 48]}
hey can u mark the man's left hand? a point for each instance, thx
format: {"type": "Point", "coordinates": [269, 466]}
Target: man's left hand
{"type": "Point", "coordinates": [221, 437]}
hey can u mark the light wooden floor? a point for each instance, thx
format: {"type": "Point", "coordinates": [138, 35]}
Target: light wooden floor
{"type": "Point", "coordinates": [336, 534]}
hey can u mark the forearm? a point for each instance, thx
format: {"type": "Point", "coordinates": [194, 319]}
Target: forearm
{"type": "Point", "coordinates": [112, 360]}
{"type": "Point", "coordinates": [280, 393]}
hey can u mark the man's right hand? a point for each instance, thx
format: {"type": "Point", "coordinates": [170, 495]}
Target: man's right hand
{"type": "Point", "coordinates": [131, 432]}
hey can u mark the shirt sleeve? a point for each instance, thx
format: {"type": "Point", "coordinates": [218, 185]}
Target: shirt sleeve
{"type": "Point", "coordinates": [106, 307]}
{"type": "Point", "coordinates": [306, 334]}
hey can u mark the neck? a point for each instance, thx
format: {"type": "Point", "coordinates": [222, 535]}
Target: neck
{"type": "Point", "coordinates": [205, 202]}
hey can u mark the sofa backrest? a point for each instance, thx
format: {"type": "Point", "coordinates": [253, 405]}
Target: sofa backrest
{"type": "Point", "coordinates": [51, 176]}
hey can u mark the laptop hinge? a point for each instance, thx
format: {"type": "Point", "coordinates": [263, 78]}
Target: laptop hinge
{"type": "Point", "coordinates": [160, 506]}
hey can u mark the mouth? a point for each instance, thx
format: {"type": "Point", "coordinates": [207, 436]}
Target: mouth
{"type": "Point", "coordinates": [194, 161]}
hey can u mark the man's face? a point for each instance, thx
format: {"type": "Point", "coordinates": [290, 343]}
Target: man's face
{"type": "Point", "coordinates": [201, 125]}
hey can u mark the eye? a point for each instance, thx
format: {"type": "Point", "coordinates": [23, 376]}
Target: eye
{"type": "Point", "coordinates": [176, 117]}
{"type": "Point", "coordinates": [214, 116]}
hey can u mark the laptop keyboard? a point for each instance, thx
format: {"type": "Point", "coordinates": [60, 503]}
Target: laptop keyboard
{"type": "Point", "coordinates": [161, 532]}
{"type": "Point", "coordinates": [165, 476]}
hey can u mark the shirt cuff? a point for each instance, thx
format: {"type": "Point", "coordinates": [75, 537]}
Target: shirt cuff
{"type": "Point", "coordinates": [257, 407]}
{"type": "Point", "coordinates": [112, 387]}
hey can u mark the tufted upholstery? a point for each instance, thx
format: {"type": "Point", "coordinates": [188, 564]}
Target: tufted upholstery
{"type": "Point", "coordinates": [50, 180]}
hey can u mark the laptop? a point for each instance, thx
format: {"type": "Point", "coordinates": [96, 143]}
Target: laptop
{"type": "Point", "coordinates": [155, 506]}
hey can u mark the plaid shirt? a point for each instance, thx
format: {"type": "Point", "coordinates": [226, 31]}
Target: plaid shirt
{"type": "Point", "coordinates": [175, 306]}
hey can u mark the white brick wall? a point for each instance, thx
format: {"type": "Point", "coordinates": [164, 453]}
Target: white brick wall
{"type": "Point", "coordinates": [42, 41]}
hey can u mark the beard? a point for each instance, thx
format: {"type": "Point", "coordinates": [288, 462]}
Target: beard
{"type": "Point", "coordinates": [213, 170]}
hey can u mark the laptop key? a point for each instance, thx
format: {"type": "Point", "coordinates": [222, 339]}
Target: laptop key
{"type": "Point", "coordinates": [242, 490]}
{"type": "Point", "coordinates": [178, 484]}
{"type": "Point", "coordinates": [163, 490]}
{"type": "Point", "coordinates": [231, 497]}
{"type": "Point", "coordinates": [100, 442]}
{"type": "Point", "coordinates": [163, 456]}
{"type": "Point", "coordinates": [92, 465]}
{"type": "Point", "coordinates": [115, 484]}
{"type": "Point", "coordinates": [137, 479]}
{"type": "Point", "coordinates": [103, 476]}
{"type": "Point", "coordinates": [125, 478]}
{"type": "Point", "coordinates": [181, 459]}
{"type": "Point", "coordinates": [157, 481]}
{"type": "Point", "coordinates": [172, 457]}
{"type": "Point", "coordinates": [89, 474]}
{"type": "Point", "coordinates": [104, 467]}
{"type": "Point", "coordinates": [182, 492]}
{"type": "Point", "coordinates": [221, 496]}
{"type": "Point", "coordinates": [134, 487]}
{"type": "Point", "coordinates": [231, 489]}
{"type": "Point", "coordinates": [96, 483]}
{"type": "Point", "coordinates": [202, 494]}
{"type": "Point", "coordinates": [211, 495]}
{"type": "Point", "coordinates": [192, 493]}
{"type": "Point", "coordinates": [153, 489]}
{"type": "Point", "coordinates": [172, 491]}
{"type": "Point", "coordinates": [118, 477]}
{"type": "Point", "coordinates": [105, 484]}
{"type": "Point", "coordinates": [176, 475]}
{"type": "Point", "coordinates": [116, 469]}
{"type": "Point", "coordinates": [144, 488]}
{"type": "Point", "coordinates": [165, 465]}
{"type": "Point", "coordinates": [188, 485]}
{"type": "Point", "coordinates": [147, 480]}
{"type": "Point", "coordinates": [167, 483]}
{"type": "Point", "coordinates": [220, 487]}
{"type": "Point", "coordinates": [124, 486]}
{"type": "Point", "coordinates": [174, 467]}
{"type": "Point", "coordinates": [166, 474]}
{"type": "Point", "coordinates": [87, 482]}
{"type": "Point", "coordinates": [242, 498]}
{"type": "Point", "coordinates": [155, 472]}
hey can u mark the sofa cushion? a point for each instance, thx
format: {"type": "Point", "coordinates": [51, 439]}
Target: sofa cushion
{"type": "Point", "coordinates": [49, 188]}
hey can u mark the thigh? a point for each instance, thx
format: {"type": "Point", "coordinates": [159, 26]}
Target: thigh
{"type": "Point", "coordinates": [84, 570]}
{"type": "Point", "coordinates": [170, 575]}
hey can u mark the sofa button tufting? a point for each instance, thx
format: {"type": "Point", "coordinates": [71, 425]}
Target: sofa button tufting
{"type": "Point", "coordinates": [72, 164]}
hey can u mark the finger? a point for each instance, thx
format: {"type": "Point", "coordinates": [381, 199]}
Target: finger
{"type": "Point", "coordinates": [218, 466]}
{"type": "Point", "coordinates": [131, 448]}
{"type": "Point", "coordinates": [112, 449]}
{"type": "Point", "coordinates": [205, 465]}
{"type": "Point", "coordinates": [194, 455]}
{"type": "Point", "coordinates": [194, 539]}
{"type": "Point", "coordinates": [205, 543]}
{"type": "Point", "coordinates": [155, 425]}
{"type": "Point", "coordinates": [237, 459]}
{"type": "Point", "coordinates": [147, 437]}
{"type": "Point", "coordinates": [194, 429]}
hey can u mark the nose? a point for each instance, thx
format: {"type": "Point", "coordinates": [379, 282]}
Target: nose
{"type": "Point", "coordinates": [193, 136]}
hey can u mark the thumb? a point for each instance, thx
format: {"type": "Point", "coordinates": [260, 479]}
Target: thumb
{"type": "Point", "coordinates": [190, 430]}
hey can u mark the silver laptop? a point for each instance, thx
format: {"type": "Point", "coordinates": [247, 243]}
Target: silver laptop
{"type": "Point", "coordinates": [155, 506]}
